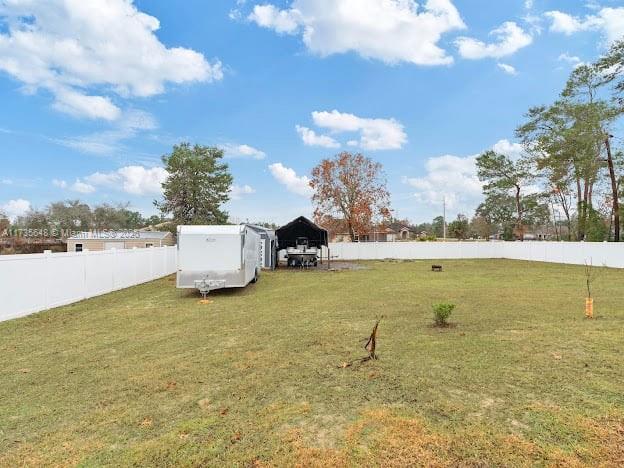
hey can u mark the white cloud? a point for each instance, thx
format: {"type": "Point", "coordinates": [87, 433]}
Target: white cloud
{"type": "Point", "coordinates": [609, 21]}
{"type": "Point", "coordinates": [509, 69]}
{"type": "Point", "coordinates": [509, 38]}
{"type": "Point", "coordinates": [81, 105]}
{"type": "Point", "coordinates": [375, 134]}
{"type": "Point", "coordinates": [571, 59]}
{"type": "Point", "coordinates": [6, 182]}
{"type": "Point", "coordinates": [59, 183]}
{"type": "Point", "coordinates": [528, 4]}
{"type": "Point", "coordinates": [310, 138]}
{"type": "Point", "coordinates": [450, 178]}
{"type": "Point", "coordinates": [82, 187]}
{"type": "Point", "coordinates": [392, 31]}
{"type": "Point", "coordinates": [612, 23]}
{"type": "Point", "coordinates": [565, 57]}
{"type": "Point", "coordinates": [513, 150]}
{"type": "Point", "coordinates": [455, 179]}
{"type": "Point", "coordinates": [79, 50]}
{"type": "Point", "coordinates": [534, 22]}
{"type": "Point", "coordinates": [243, 151]}
{"type": "Point", "coordinates": [238, 191]}
{"type": "Point", "coordinates": [109, 142]}
{"type": "Point", "coordinates": [282, 21]}
{"type": "Point", "coordinates": [564, 23]}
{"type": "Point", "coordinates": [299, 185]}
{"type": "Point", "coordinates": [134, 180]}
{"type": "Point", "coordinates": [15, 208]}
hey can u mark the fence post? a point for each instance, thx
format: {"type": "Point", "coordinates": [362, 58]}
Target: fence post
{"type": "Point", "coordinates": [84, 253]}
{"type": "Point", "coordinates": [151, 260]}
{"type": "Point", "coordinates": [135, 263]}
{"type": "Point", "coordinates": [113, 269]}
{"type": "Point", "coordinates": [48, 274]}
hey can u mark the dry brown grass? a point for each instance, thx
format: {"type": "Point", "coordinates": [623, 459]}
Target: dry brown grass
{"type": "Point", "coordinates": [380, 437]}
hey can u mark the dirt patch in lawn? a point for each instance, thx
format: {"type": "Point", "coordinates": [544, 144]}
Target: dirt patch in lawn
{"type": "Point", "coordinates": [382, 438]}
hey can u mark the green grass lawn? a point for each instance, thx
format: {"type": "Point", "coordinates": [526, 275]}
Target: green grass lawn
{"type": "Point", "coordinates": [148, 376]}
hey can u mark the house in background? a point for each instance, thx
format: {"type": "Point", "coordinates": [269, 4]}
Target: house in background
{"type": "Point", "coordinates": [107, 240]}
{"type": "Point", "coordinates": [403, 231]}
{"type": "Point", "coordinates": [380, 233]}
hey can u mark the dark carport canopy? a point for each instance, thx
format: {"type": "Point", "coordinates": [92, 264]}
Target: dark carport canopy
{"type": "Point", "coordinates": [301, 227]}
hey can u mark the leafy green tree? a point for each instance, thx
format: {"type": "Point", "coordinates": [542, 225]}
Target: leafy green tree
{"type": "Point", "coordinates": [570, 144]}
{"type": "Point", "coordinates": [424, 227]}
{"type": "Point", "coordinates": [498, 210]}
{"type": "Point", "coordinates": [438, 226]}
{"type": "Point", "coordinates": [197, 187]}
{"type": "Point", "coordinates": [107, 216]}
{"type": "Point", "coordinates": [460, 228]}
{"type": "Point", "coordinates": [597, 116]}
{"type": "Point", "coordinates": [72, 215]}
{"type": "Point", "coordinates": [611, 68]}
{"type": "Point", "coordinates": [4, 222]}
{"type": "Point", "coordinates": [597, 229]}
{"type": "Point", "coordinates": [34, 219]}
{"type": "Point", "coordinates": [502, 175]}
{"type": "Point", "coordinates": [481, 227]}
{"type": "Point", "coordinates": [154, 220]}
{"type": "Point", "coordinates": [558, 144]}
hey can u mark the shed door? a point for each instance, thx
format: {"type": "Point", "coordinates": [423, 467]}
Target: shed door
{"type": "Point", "coordinates": [113, 245]}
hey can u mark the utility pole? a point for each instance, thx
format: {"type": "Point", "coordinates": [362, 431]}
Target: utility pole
{"type": "Point", "coordinates": [444, 217]}
{"type": "Point", "coordinates": [614, 188]}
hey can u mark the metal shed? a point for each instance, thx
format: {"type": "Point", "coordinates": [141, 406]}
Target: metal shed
{"type": "Point", "coordinates": [268, 246]}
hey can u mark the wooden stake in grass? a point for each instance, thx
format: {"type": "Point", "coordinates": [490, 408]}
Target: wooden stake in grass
{"type": "Point", "coordinates": [371, 344]}
{"type": "Point", "coordinates": [590, 277]}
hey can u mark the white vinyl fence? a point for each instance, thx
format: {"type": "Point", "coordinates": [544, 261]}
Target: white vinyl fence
{"type": "Point", "coordinates": [610, 254]}
{"type": "Point", "coordinates": [34, 282]}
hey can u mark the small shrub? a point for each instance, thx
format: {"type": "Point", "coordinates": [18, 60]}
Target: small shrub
{"type": "Point", "coordinates": [441, 313]}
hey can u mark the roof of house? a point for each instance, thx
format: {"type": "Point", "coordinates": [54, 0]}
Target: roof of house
{"type": "Point", "coordinates": [111, 236]}
{"type": "Point", "coordinates": [373, 230]}
{"type": "Point", "coordinates": [401, 226]}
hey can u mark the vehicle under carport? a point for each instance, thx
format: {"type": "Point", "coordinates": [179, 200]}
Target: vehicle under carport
{"type": "Point", "coordinates": [303, 241]}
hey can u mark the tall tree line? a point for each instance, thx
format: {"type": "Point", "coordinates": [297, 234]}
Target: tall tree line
{"type": "Point", "coordinates": [74, 215]}
{"type": "Point", "coordinates": [570, 155]}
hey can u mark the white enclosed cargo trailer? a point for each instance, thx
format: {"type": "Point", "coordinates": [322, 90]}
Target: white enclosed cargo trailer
{"type": "Point", "coordinates": [215, 257]}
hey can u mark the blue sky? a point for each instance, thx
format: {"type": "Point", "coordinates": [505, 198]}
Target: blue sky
{"type": "Point", "coordinates": [93, 93]}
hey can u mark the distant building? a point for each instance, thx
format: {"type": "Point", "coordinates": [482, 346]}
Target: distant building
{"type": "Point", "coordinates": [379, 233]}
{"type": "Point", "coordinates": [107, 240]}
{"type": "Point", "coordinates": [403, 231]}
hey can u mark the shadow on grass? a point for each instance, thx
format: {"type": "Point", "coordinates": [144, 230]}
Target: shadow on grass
{"type": "Point", "coordinates": [224, 292]}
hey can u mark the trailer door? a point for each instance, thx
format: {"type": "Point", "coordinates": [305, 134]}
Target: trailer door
{"type": "Point", "coordinates": [210, 252]}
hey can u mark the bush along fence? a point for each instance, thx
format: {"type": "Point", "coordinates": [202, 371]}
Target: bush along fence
{"type": "Point", "coordinates": [35, 282]}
